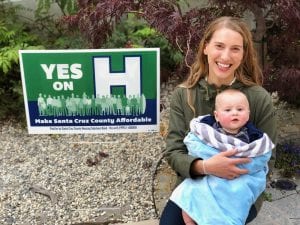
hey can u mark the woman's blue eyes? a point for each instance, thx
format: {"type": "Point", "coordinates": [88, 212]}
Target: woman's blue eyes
{"type": "Point", "coordinates": [222, 47]}
{"type": "Point", "coordinates": [236, 49]}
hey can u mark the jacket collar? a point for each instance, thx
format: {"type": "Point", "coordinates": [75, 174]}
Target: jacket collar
{"type": "Point", "coordinates": [211, 89]}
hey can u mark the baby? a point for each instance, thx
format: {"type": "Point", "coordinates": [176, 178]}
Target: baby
{"type": "Point", "coordinates": [214, 200]}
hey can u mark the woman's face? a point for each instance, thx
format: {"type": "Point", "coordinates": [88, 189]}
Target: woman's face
{"type": "Point", "coordinates": [224, 54]}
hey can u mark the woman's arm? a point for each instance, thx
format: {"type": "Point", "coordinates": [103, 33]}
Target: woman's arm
{"type": "Point", "coordinates": [176, 152]}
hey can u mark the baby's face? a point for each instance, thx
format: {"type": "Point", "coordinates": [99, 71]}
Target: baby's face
{"type": "Point", "coordinates": [232, 112]}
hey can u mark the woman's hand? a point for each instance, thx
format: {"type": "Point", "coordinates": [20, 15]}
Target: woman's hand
{"type": "Point", "coordinates": [222, 166]}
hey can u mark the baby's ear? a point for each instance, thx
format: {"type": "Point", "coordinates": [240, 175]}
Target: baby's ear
{"type": "Point", "coordinates": [216, 115]}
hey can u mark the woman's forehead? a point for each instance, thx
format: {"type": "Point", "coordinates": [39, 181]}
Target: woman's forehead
{"type": "Point", "coordinates": [228, 36]}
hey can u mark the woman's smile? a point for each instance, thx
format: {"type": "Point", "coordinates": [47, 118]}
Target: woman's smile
{"type": "Point", "coordinates": [223, 67]}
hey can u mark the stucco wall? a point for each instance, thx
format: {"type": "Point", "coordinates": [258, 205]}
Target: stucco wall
{"type": "Point", "coordinates": [30, 7]}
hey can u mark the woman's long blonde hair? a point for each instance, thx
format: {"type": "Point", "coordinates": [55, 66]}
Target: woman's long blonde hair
{"type": "Point", "coordinates": [249, 72]}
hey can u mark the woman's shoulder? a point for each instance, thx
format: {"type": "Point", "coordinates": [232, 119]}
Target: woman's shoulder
{"type": "Point", "coordinates": [178, 95]}
{"type": "Point", "coordinates": [256, 88]}
{"type": "Point", "coordinates": [256, 92]}
{"type": "Point", "coordinates": [179, 90]}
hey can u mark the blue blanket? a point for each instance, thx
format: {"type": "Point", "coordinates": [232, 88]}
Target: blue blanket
{"type": "Point", "coordinates": [213, 200]}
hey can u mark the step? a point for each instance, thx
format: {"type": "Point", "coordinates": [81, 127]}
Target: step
{"type": "Point", "coordinates": [145, 222]}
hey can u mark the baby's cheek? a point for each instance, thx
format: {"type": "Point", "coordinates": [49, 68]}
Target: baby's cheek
{"type": "Point", "coordinates": [225, 120]}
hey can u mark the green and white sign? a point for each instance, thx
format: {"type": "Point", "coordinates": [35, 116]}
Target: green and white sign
{"type": "Point", "coordinates": [91, 91]}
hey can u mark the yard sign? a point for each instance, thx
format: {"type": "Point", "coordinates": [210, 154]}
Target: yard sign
{"type": "Point", "coordinates": [91, 91]}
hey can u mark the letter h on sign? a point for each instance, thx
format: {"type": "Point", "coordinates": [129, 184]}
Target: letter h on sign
{"type": "Point", "coordinates": [130, 77]}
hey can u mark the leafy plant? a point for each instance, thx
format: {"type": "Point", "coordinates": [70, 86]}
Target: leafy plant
{"type": "Point", "coordinates": [267, 196]}
{"type": "Point", "coordinates": [13, 38]}
{"type": "Point", "coordinates": [288, 158]}
{"type": "Point", "coordinates": [49, 28]}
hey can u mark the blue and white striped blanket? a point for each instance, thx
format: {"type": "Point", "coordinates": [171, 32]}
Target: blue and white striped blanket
{"type": "Point", "coordinates": [213, 200]}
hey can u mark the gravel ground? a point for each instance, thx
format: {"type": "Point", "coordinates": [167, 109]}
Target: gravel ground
{"type": "Point", "coordinates": [67, 179]}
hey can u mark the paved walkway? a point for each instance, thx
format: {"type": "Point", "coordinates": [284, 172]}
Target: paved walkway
{"type": "Point", "coordinates": [283, 209]}
{"type": "Point", "coordinates": [146, 222]}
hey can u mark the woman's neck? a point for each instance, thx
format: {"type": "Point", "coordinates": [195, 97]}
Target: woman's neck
{"type": "Point", "coordinates": [219, 83]}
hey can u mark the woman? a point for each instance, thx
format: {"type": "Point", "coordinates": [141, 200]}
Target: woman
{"type": "Point", "coordinates": [226, 59]}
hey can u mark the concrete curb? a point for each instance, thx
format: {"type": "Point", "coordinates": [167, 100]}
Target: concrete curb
{"type": "Point", "coordinates": [145, 222]}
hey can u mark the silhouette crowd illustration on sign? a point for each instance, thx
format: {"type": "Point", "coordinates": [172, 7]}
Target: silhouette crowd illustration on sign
{"type": "Point", "coordinates": [73, 105]}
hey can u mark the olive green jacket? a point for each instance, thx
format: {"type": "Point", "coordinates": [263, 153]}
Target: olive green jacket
{"type": "Point", "coordinates": [262, 115]}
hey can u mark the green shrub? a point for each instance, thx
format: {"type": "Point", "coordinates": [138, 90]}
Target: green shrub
{"type": "Point", "coordinates": [13, 37]}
